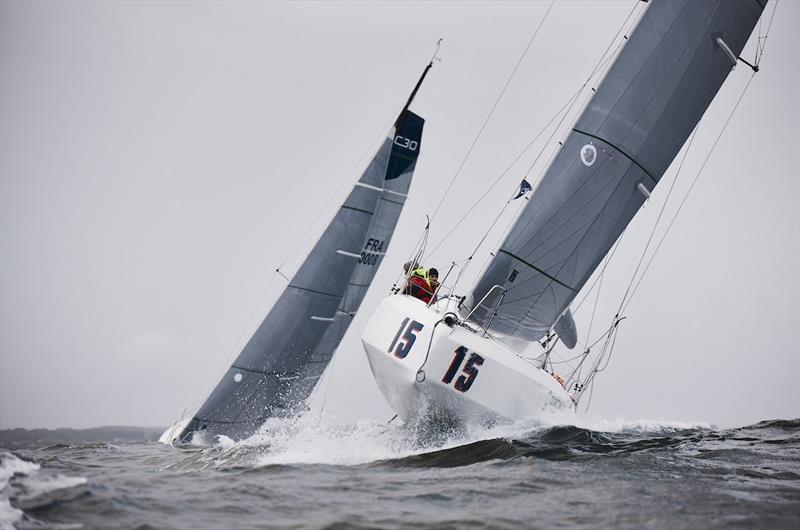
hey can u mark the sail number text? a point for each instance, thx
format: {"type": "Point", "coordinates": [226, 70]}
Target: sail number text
{"type": "Point", "coordinates": [372, 252]}
{"type": "Point", "coordinates": [400, 346]}
{"type": "Point", "coordinates": [470, 369]}
{"type": "Point", "coordinates": [411, 145]}
{"type": "Point", "coordinates": [404, 339]}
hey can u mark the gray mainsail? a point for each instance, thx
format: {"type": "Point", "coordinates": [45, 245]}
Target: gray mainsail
{"type": "Point", "coordinates": [642, 113]}
{"type": "Point", "coordinates": [281, 363]}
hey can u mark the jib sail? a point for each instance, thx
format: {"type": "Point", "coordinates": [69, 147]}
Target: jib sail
{"type": "Point", "coordinates": [278, 368]}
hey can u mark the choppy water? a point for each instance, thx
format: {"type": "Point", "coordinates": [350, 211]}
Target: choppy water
{"type": "Point", "coordinates": [601, 474]}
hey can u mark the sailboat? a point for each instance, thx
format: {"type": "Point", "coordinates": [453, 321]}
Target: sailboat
{"type": "Point", "coordinates": [284, 359]}
{"type": "Point", "coordinates": [466, 359]}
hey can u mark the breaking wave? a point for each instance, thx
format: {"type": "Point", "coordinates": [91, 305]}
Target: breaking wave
{"type": "Point", "coordinates": [368, 474]}
{"type": "Point", "coordinates": [309, 440]}
{"type": "Point", "coordinates": [24, 486]}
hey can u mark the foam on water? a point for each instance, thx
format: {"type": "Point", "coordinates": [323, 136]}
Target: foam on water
{"type": "Point", "coordinates": [10, 465]}
{"type": "Point", "coordinates": [623, 424]}
{"type": "Point", "coordinates": [309, 439]}
{"type": "Point", "coordinates": [8, 515]}
{"type": "Point", "coordinates": [28, 487]}
{"type": "Point", "coordinates": [637, 473]}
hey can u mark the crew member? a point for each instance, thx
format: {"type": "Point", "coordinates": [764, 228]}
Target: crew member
{"type": "Point", "coordinates": [418, 284]}
{"type": "Point", "coordinates": [433, 281]}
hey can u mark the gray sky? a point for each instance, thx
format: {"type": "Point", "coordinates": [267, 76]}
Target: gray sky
{"type": "Point", "coordinates": [158, 160]}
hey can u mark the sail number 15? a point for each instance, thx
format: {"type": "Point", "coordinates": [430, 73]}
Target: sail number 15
{"type": "Point", "coordinates": [470, 369]}
{"type": "Point", "coordinates": [403, 344]}
{"type": "Point", "coordinates": [406, 336]}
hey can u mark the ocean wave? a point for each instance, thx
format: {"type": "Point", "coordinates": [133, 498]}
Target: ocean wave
{"type": "Point", "coordinates": [362, 471]}
{"type": "Point", "coordinates": [10, 466]}
{"type": "Point", "coordinates": [24, 487]}
{"type": "Point", "coordinates": [309, 440]}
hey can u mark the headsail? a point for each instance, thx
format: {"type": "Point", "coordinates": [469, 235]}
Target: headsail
{"type": "Point", "coordinates": [391, 199]}
{"type": "Point", "coordinates": [282, 362]}
{"type": "Point", "coordinates": [642, 113]}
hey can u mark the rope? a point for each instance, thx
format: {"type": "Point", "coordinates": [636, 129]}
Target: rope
{"type": "Point", "coordinates": [504, 172]}
{"type": "Point", "coordinates": [348, 176]}
{"type": "Point", "coordinates": [762, 41]}
{"type": "Point", "coordinates": [610, 335]}
{"type": "Point", "coordinates": [601, 63]}
{"type": "Point", "coordinates": [236, 348]}
{"type": "Point", "coordinates": [658, 219]}
{"type": "Point", "coordinates": [569, 104]}
{"type": "Point", "coordinates": [625, 304]}
{"type": "Point", "coordinates": [594, 309]}
{"type": "Point", "coordinates": [491, 112]}
{"type": "Point", "coordinates": [324, 209]}
{"type": "Point", "coordinates": [608, 259]}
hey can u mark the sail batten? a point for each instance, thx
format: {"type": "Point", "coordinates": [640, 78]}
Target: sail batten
{"type": "Point", "coordinates": [283, 360]}
{"type": "Point", "coordinates": [640, 116]}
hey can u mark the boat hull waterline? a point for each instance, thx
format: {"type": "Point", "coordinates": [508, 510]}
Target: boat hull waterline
{"type": "Point", "coordinates": [429, 371]}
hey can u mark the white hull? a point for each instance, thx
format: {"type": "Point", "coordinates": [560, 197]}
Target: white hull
{"type": "Point", "coordinates": [452, 373]}
{"type": "Point", "coordinates": [171, 434]}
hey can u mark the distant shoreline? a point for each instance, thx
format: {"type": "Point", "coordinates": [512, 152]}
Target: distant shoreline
{"type": "Point", "coordinates": [21, 438]}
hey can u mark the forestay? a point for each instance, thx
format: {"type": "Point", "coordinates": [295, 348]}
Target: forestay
{"type": "Point", "coordinates": [278, 368]}
{"type": "Point", "coordinates": [642, 113]}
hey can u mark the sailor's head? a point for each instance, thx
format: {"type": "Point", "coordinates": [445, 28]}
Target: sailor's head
{"type": "Point", "coordinates": [433, 274]}
{"type": "Point", "coordinates": [409, 265]}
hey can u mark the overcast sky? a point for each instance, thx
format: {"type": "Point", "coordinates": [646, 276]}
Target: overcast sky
{"type": "Point", "coordinates": [158, 160]}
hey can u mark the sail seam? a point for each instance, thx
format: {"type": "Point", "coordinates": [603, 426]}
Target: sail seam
{"type": "Point", "coordinates": [594, 220]}
{"type": "Point", "coordinates": [537, 269]}
{"type": "Point", "coordinates": [241, 422]}
{"type": "Point", "coordinates": [391, 201]}
{"type": "Point", "coordinates": [629, 157]}
{"type": "Point", "coordinates": [344, 206]}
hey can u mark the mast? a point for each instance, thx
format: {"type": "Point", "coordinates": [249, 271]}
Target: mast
{"type": "Point", "coordinates": [413, 92]}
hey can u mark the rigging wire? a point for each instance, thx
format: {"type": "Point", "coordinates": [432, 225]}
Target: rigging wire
{"type": "Point", "coordinates": [625, 303]}
{"type": "Point", "coordinates": [237, 345]}
{"type": "Point", "coordinates": [348, 176]}
{"type": "Point", "coordinates": [325, 207]}
{"type": "Point", "coordinates": [762, 41]}
{"type": "Point", "coordinates": [629, 294]}
{"type": "Point", "coordinates": [608, 259]}
{"type": "Point", "coordinates": [505, 171]}
{"type": "Point", "coordinates": [491, 112]}
{"type": "Point", "coordinates": [658, 219]}
{"type": "Point", "coordinates": [604, 59]}
{"type": "Point", "coordinates": [594, 308]}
